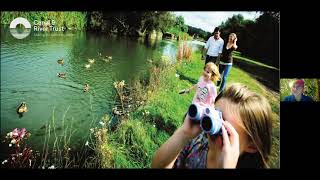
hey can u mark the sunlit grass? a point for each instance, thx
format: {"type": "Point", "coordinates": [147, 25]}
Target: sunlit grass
{"type": "Point", "coordinates": [195, 68]}
{"type": "Point", "coordinates": [237, 56]}
{"type": "Point", "coordinates": [137, 138]}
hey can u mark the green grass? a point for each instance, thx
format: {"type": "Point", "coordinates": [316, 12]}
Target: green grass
{"type": "Point", "coordinates": [132, 145]}
{"type": "Point", "coordinates": [195, 68]}
{"type": "Point", "coordinates": [136, 139]}
{"type": "Point", "coordinates": [167, 105]}
{"type": "Point", "coordinates": [311, 88]}
{"type": "Point", "coordinates": [237, 56]}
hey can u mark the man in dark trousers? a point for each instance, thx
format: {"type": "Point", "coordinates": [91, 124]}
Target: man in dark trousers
{"type": "Point", "coordinates": [213, 48]}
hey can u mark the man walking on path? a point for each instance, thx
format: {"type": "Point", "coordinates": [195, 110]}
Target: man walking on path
{"type": "Point", "coordinates": [213, 48]}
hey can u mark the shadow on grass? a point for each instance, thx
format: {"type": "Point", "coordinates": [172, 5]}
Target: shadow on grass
{"type": "Point", "coordinates": [168, 127]}
{"type": "Point", "coordinates": [183, 77]}
{"type": "Point", "coordinates": [267, 76]}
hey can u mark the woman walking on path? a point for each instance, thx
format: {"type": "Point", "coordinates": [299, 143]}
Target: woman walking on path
{"type": "Point", "coordinates": [226, 59]}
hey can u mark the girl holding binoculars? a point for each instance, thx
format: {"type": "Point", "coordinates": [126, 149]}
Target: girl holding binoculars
{"type": "Point", "coordinates": [245, 141]}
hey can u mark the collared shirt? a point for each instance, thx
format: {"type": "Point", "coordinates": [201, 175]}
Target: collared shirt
{"type": "Point", "coordinates": [304, 98]}
{"type": "Point", "coordinates": [214, 46]}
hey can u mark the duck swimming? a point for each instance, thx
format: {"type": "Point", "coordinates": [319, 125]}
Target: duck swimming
{"type": "Point", "coordinates": [61, 75]}
{"type": "Point", "coordinates": [60, 61]}
{"type": "Point", "coordinates": [86, 87]}
{"type": "Point", "coordinates": [22, 108]}
{"type": "Point", "coordinates": [91, 61]}
{"type": "Point", "coordinates": [87, 65]}
{"type": "Point", "coordinates": [106, 60]}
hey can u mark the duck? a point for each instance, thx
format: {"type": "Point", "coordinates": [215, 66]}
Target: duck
{"type": "Point", "coordinates": [22, 108]}
{"type": "Point", "coordinates": [109, 57]}
{"type": "Point", "coordinates": [115, 111]}
{"type": "Point", "coordinates": [86, 87]}
{"type": "Point", "coordinates": [107, 60]}
{"type": "Point", "coordinates": [61, 75]}
{"type": "Point", "coordinates": [91, 61]}
{"type": "Point", "coordinates": [87, 65]}
{"type": "Point", "coordinates": [60, 61]}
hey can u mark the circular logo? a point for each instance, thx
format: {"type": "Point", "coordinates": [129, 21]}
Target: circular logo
{"type": "Point", "coordinates": [18, 31]}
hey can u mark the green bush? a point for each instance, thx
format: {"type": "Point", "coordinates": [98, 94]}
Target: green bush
{"type": "Point", "coordinates": [137, 146]}
{"type": "Point", "coordinates": [71, 19]}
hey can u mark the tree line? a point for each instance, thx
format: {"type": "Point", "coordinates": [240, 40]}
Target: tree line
{"type": "Point", "coordinates": [136, 23]}
{"type": "Point", "coordinates": [68, 19]}
{"type": "Point", "coordinates": [257, 39]}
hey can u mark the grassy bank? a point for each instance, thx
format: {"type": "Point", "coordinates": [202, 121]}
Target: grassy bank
{"type": "Point", "coordinates": [137, 137]}
{"type": "Point", "coordinates": [237, 55]}
{"type": "Point", "coordinates": [158, 112]}
{"type": "Point", "coordinates": [194, 69]}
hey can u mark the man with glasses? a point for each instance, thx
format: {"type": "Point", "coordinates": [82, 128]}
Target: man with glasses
{"type": "Point", "coordinates": [297, 91]}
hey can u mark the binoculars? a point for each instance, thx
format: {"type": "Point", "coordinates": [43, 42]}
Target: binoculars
{"type": "Point", "coordinates": [210, 119]}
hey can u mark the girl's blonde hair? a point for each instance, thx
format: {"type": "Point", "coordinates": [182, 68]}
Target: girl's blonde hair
{"type": "Point", "coordinates": [256, 115]}
{"type": "Point", "coordinates": [234, 35]}
{"type": "Point", "coordinates": [215, 75]}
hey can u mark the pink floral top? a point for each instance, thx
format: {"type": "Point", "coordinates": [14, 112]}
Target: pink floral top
{"type": "Point", "coordinates": [194, 154]}
{"type": "Point", "coordinates": [206, 92]}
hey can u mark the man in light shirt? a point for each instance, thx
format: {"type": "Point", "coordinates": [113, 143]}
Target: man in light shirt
{"type": "Point", "coordinates": [213, 47]}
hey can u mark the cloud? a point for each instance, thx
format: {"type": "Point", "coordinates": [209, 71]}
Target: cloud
{"type": "Point", "coordinates": [208, 20]}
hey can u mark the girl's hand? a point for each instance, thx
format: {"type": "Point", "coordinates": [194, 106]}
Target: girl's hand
{"type": "Point", "coordinates": [224, 153]}
{"type": "Point", "coordinates": [190, 129]}
{"type": "Point", "coordinates": [168, 152]}
{"type": "Point", "coordinates": [231, 146]}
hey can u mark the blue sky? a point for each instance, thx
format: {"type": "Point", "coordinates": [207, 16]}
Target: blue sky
{"type": "Point", "coordinates": [208, 20]}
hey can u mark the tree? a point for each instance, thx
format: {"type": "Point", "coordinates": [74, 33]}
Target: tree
{"type": "Point", "coordinates": [197, 32]}
{"type": "Point", "coordinates": [258, 39]}
{"type": "Point", "coordinates": [178, 26]}
{"type": "Point", "coordinates": [163, 20]}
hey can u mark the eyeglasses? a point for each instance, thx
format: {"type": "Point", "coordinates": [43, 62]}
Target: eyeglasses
{"type": "Point", "coordinates": [298, 86]}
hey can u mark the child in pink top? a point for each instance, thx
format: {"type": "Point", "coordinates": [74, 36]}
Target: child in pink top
{"type": "Point", "coordinates": [206, 90]}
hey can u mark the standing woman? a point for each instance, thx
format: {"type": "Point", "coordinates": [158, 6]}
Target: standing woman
{"type": "Point", "coordinates": [226, 59]}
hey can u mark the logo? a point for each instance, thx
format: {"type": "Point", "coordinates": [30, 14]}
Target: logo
{"type": "Point", "coordinates": [20, 32]}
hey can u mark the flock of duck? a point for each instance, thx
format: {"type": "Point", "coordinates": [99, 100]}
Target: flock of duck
{"type": "Point", "coordinates": [22, 108]}
{"type": "Point", "coordinates": [106, 59]}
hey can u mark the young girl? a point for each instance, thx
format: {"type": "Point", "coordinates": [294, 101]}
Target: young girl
{"type": "Point", "coordinates": [206, 90]}
{"type": "Point", "coordinates": [245, 139]}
